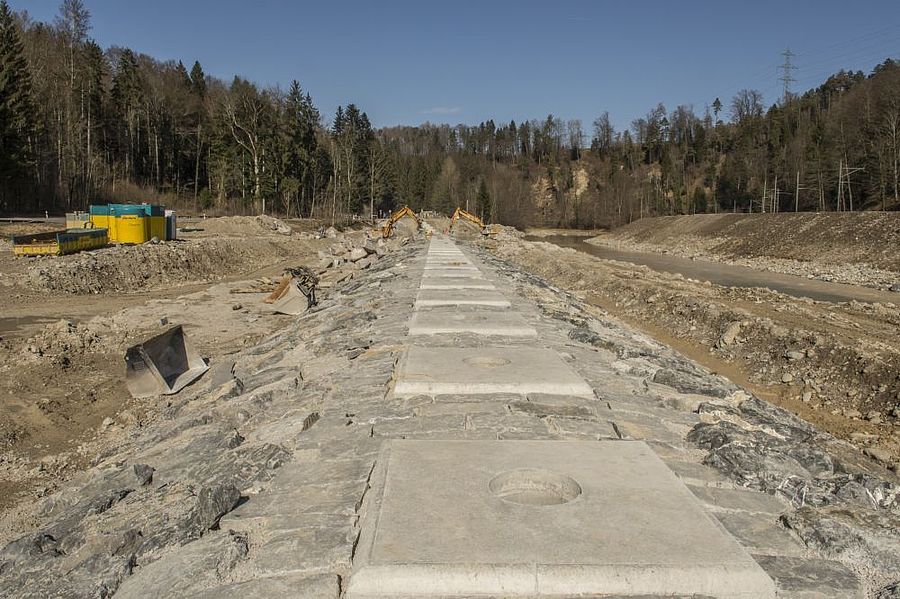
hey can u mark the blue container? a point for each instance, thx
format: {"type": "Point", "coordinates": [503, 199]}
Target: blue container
{"type": "Point", "coordinates": [98, 209]}
{"type": "Point", "coordinates": [145, 209]}
{"type": "Point", "coordinates": [127, 209]}
{"type": "Point", "coordinates": [154, 209]}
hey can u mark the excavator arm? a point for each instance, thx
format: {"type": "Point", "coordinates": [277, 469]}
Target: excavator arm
{"type": "Point", "coordinates": [388, 227]}
{"type": "Point", "coordinates": [466, 215]}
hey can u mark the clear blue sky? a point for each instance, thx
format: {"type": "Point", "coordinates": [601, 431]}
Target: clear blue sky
{"type": "Point", "coordinates": [405, 62]}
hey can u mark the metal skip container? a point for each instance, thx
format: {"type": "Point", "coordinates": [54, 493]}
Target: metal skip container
{"type": "Point", "coordinates": [162, 365]}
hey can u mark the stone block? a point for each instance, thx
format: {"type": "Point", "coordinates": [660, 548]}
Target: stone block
{"type": "Point", "coordinates": [811, 578]}
{"type": "Point", "coordinates": [735, 499]}
{"type": "Point", "coordinates": [761, 533]}
{"type": "Point", "coordinates": [322, 586]}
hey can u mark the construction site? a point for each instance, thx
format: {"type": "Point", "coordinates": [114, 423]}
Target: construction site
{"type": "Point", "coordinates": [252, 407]}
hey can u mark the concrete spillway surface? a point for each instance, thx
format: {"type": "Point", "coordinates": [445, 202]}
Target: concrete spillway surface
{"type": "Point", "coordinates": [452, 272]}
{"type": "Point", "coordinates": [494, 323]}
{"type": "Point", "coordinates": [541, 518]}
{"type": "Point", "coordinates": [461, 297]}
{"type": "Point", "coordinates": [456, 283]}
{"type": "Point", "coordinates": [455, 267]}
{"type": "Point", "coordinates": [463, 261]}
{"type": "Point", "coordinates": [469, 371]}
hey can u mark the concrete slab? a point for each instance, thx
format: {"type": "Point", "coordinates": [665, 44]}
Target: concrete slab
{"type": "Point", "coordinates": [457, 267]}
{"type": "Point", "coordinates": [454, 370]}
{"type": "Point", "coordinates": [456, 283]}
{"type": "Point", "coordinates": [438, 322]}
{"type": "Point", "coordinates": [541, 518]}
{"type": "Point", "coordinates": [446, 259]}
{"type": "Point", "coordinates": [461, 297]}
{"type": "Point", "coordinates": [452, 272]}
{"type": "Point", "coordinates": [443, 263]}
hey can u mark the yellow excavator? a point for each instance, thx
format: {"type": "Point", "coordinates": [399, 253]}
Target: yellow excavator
{"type": "Point", "coordinates": [388, 227]}
{"type": "Point", "coordinates": [459, 213]}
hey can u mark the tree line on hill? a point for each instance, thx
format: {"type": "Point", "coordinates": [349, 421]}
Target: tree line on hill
{"type": "Point", "coordinates": [81, 125]}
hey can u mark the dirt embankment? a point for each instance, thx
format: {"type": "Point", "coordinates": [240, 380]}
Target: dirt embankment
{"type": "Point", "coordinates": [836, 365]}
{"type": "Point", "coordinates": [858, 248]}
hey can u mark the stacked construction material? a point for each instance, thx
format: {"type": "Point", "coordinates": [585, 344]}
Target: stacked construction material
{"type": "Point", "coordinates": [57, 243]}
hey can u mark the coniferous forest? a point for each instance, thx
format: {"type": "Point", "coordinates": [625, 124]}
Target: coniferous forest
{"type": "Point", "coordinates": [81, 124]}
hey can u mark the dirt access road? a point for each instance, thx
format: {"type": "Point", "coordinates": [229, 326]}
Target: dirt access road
{"type": "Point", "coordinates": [835, 364]}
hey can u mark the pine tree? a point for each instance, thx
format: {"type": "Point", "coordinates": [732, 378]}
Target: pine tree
{"type": "Point", "coordinates": [198, 80]}
{"type": "Point", "coordinates": [337, 126]}
{"type": "Point", "coordinates": [128, 92]}
{"type": "Point", "coordinates": [183, 74]}
{"type": "Point", "coordinates": [17, 110]}
{"type": "Point", "coordinates": [483, 200]}
{"type": "Point", "coordinates": [95, 67]}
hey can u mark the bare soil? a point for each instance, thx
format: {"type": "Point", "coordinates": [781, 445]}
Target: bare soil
{"type": "Point", "coordinates": [836, 365]}
{"type": "Point", "coordinates": [858, 248]}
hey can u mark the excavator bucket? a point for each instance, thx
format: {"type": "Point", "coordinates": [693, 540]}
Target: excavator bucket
{"type": "Point", "coordinates": [162, 365]}
{"type": "Point", "coordinates": [290, 301]}
{"type": "Point", "coordinates": [280, 290]}
{"type": "Point", "coordinates": [295, 294]}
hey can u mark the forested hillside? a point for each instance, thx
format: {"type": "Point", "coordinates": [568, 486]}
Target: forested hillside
{"type": "Point", "coordinates": [82, 124]}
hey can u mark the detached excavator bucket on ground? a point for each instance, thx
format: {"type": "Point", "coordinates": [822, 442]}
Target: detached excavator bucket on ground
{"type": "Point", "coordinates": [162, 365]}
{"type": "Point", "coordinates": [295, 294]}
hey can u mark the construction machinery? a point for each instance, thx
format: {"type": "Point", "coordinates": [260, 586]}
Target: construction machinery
{"type": "Point", "coordinates": [162, 365]}
{"type": "Point", "coordinates": [459, 213]}
{"type": "Point", "coordinates": [388, 227]}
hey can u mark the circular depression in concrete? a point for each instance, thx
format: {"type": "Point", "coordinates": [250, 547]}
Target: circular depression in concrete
{"type": "Point", "coordinates": [486, 361]}
{"type": "Point", "coordinates": [533, 486]}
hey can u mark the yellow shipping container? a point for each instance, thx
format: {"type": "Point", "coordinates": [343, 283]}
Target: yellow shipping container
{"type": "Point", "coordinates": [130, 228]}
{"type": "Point", "coordinates": [102, 221]}
{"type": "Point", "coordinates": [157, 227]}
